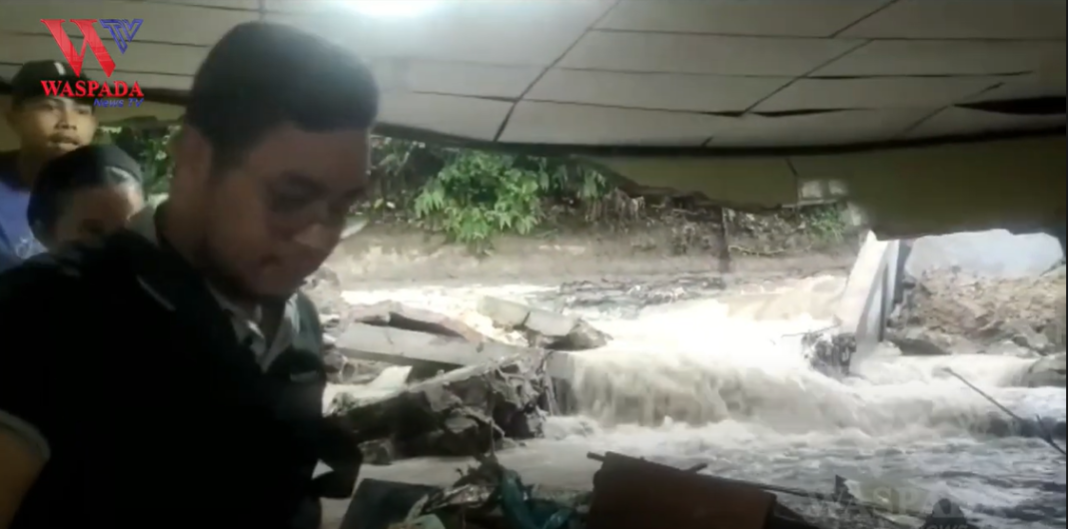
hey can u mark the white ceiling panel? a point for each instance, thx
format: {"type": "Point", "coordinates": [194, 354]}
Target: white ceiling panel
{"type": "Point", "coordinates": [1023, 87]}
{"type": "Point", "coordinates": [873, 93]}
{"type": "Point", "coordinates": [144, 57]}
{"type": "Point", "coordinates": [832, 128]}
{"type": "Point", "coordinates": [944, 57]}
{"type": "Point", "coordinates": [552, 123]}
{"type": "Point", "coordinates": [652, 72]}
{"type": "Point", "coordinates": [956, 19]}
{"type": "Point", "coordinates": [956, 121]}
{"type": "Point", "coordinates": [699, 54]}
{"type": "Point", "coordinates": [820, 18]}
{"type": "Point", "coordinates": [700, 93]}
{"type": "Point", "coordinates": [487, 32]}
{"type": "Point", "coordinates": [468, 117]}
{"type": "Point", "coordinates": [454, 78]}
{"type": "Point", "coordinates": [181, 24]}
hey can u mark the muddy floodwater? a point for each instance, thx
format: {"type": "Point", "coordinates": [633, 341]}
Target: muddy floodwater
{"type": "Point", "coordinates": [720, 380]}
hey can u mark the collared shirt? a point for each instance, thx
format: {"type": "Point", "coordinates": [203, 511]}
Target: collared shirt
{"type": "Point", "coordinates": [247, 326]}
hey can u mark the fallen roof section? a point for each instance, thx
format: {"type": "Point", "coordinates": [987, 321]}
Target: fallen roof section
{"type": "Point", "coordinates": [701, 75]}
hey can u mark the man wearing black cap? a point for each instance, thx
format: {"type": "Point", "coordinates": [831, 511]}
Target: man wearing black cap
{"type": "Point", "coordinates": [171, 376]}
{"type": "Point", "coordinates": [46, 126]}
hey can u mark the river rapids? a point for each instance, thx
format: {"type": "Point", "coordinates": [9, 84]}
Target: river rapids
{"type": "Point", "coordinates": [721, 380]}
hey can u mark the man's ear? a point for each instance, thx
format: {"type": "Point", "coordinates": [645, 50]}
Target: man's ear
{"type": "Point", "coordinates": [192, 149]}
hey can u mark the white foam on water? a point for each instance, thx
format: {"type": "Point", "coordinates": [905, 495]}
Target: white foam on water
{"type": "Point", "coordinates": [723, 382]}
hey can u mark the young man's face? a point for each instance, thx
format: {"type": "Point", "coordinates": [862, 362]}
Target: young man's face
{"type": "Point", "coordinates": [272, 221]}
{"type": "Point", "coordinates": [51, 126]}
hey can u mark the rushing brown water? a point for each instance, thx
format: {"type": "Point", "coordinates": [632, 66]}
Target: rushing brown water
{"type": "Point", "coordinates": [722, 381]}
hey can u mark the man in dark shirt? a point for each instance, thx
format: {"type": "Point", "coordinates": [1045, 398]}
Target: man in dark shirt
{"type": "Point", "coordinates": [171, 376]}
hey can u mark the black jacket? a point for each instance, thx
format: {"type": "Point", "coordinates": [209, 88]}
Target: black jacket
{"type": "Point", "coordinates": [154, 415]}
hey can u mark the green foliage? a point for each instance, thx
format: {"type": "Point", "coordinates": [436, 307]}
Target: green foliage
{"type": "Point", "coordinates": [150, 147]}
{"type": "Point", "coordinates": [478, 195]}
{"type": "Point", "coordinates": [825, 222]}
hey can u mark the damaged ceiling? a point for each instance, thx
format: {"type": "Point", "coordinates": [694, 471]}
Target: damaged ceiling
{"type": "Point", "coordinates": [697, 74]}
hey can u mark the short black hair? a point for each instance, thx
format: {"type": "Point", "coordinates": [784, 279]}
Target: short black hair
{"type": "Point", "coordinates": [261, 75]}
{"type": "Point", "coordinates": [83, 168]}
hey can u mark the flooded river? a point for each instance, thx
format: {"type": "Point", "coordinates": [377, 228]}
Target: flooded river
{"type": "Point", "coordinates": [721, 381]}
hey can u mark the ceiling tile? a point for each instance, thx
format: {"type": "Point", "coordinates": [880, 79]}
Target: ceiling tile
{"type": "Point", "coordinates": [700, 54]}
{"type": "Point", "coordinates": [955, 121]}
{"type": "Point", "coordinates": [552, 123]}
{"type": "Point", "coordinates": [954, 19]}
{"type": "Point", "coordinates": [163, 23]}
{"type": "Point", "coordinates": [820, 18]}
{"type": "Point", "coordinates": [874, 93]}
{"type": "Point", "coordinates": [1024, 87]}
{"type": "Point", "coordinates": [145, 57]}
{"type": "Point", "coordinates": [831, 128]}
{"type": "Point", "coordinates": [944, 57]}
{"type": "Point", "coordinates": [700, 93]}
{"type": "Point", "coordinates": [478, 31]}
{"type": "Point", "coordinates": [466, 79]}
{"type": "Point", "coordinates": [464, 117]}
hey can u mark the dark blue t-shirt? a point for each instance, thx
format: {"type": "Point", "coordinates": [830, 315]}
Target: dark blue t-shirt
{"type": "Point", "coordinates": [17, 242]}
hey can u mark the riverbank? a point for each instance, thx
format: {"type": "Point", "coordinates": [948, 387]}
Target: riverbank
{"type": "Point", "coordinates": [572, 249]}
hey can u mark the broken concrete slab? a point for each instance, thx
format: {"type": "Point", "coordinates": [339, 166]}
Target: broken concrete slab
{"type": "Point", "coordinates": [543, 328]}
{"type": "Point", "coordinates": [461, 412]}
{"type": "Point", "coordinates": [400, 316]}
{"type": "Point", "coordinates": [420, 349]}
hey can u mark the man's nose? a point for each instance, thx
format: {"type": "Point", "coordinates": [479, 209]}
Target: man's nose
{"type": "Point", "coordinates": [66, 116]}
{"type": "Point", "coordinates": [66, 121]}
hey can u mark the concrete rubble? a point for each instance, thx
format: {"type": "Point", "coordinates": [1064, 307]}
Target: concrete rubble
{"type": "Point", "coordinates": [464, 411]}
{"type": "Point", "coordinates": [829, 351]}
{"type": "Point", "coordinates": [545, 329]}
{"type": "Point", "coordinates": [947, 311]}
{"type": "Point", "coordinates": [452, 390]}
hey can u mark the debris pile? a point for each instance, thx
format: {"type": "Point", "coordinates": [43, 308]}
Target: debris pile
{"type": "Point", "coordinates": [629, 493]}
{"type": "Point", "coordinates": [948, 311]}
{"type": "Point", "coordinates": [829, 351]}
{"type": "Point", "coordinates": [454, 391]}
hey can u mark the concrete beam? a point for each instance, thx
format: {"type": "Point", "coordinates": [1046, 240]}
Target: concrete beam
{"type": "Point", "coordinates": [908, 192]}
{"type": "Point", "coordinates": [869, 293]}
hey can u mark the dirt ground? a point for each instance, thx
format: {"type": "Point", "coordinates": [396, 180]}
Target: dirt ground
{"type": "Point", "coordinates": [1029, 312]}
